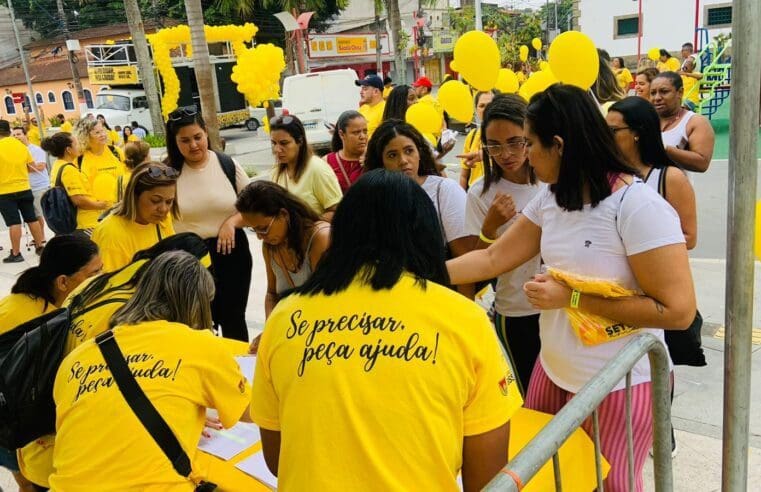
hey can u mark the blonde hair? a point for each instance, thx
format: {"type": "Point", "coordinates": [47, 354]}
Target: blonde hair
{"type": "Point", "coordinates": [135, 153]}
{"type": "Point", "coordinates": [140, 182]}
{"type": "Point", "coordinates": [82, 131]}
{"type": "Point", "coordinates": [175, 287]}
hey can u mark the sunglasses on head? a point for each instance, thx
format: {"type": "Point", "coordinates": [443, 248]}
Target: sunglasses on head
{"type": "Point", "coordinates": [183, 113]}
{"type": "Point", "coordinates": [156, 172]}
{"type": "Point", "coordinates": [281, 120]}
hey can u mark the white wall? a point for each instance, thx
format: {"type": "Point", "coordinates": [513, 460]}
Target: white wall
{"type": "Point", "coordinates": [666, 23]}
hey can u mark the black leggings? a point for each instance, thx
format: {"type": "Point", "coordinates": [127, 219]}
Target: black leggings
{"type": "Point", "coordinates": [232, 279]}
{"type": "Point", "coordinates": [520, 337]}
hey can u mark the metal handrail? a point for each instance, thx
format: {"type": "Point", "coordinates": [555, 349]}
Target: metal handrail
{"type": "Point", "coordinates": [546, 444]}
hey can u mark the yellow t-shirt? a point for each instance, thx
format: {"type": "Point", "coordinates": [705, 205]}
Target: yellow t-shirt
{"type": "Point", "coordinates": [36, 458]}
{"type": "Point", "coordinates": [102, 172]}
{"type": "Point", "coordinates": [76, 183]}
{"type": "Point", "coordinates": [318, 185]}
{"type": "Point", "coordinates": [33, 134]}
{"type": "Point", "coordinates": [671, 65]}
{"type": "Point", "coordinates": [387, 90]}
{"type": "Point", "coordinates": [101, 445]}
{"type": "Point", "coordinates": [624, 78]}
{"type": "Point", "coordinates": [408, 372]}
{"type": "Point", "coordinates": [373, 115]}
{"type": "Point", "coordinates": [689, 93]}
{"type": "Point", "coordinates": [119, 238]}
{"type": "Point", "coordinates": [521, 76]}
{"type": "Point", "coordinates": [67, 127]}
{"type": "Point", "coordinates": [16, 309]}
{"type": "Point", "coordinates": [14, 173]}
{"type": "Point", "coordinates": [114, 138]}
{"type": "Point", "coordinates": [473, 144]}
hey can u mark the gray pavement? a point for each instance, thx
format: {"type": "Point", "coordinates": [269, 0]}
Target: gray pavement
{"type": "Point", "coordinates": [697, 409]}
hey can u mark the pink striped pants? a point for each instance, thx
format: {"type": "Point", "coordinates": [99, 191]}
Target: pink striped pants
{"type": "Point", "coordinates": [545, 396]}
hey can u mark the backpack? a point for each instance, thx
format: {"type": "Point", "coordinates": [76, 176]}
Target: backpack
{"type": "Point", "coordinates": [30, 356]}
{"type": "Point", "coordinates": [59, 211]}
{"type": "Point", "coordinates": [228, 166]}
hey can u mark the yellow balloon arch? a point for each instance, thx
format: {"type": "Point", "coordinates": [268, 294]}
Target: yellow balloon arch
{"type": "Point", "coordinates": [254, 72]}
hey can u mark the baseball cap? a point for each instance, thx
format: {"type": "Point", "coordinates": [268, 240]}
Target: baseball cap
{"type": "Point", "coordinates": [371, 81]}
{"type": "Point", "coordinates": [423, 82]}
{"type": "Point", "coordinates": [5, 127]}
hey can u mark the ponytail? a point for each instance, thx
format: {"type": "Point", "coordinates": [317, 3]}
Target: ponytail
{"type": "Point", "coordinates": [63, 255]}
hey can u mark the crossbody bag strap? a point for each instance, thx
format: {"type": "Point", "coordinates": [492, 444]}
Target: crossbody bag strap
{"type": "Point", "coordinates": [59, 177]}
{"type": "Point", "coordinates": [158, 232]}
{"type": "Point", "coordinates": [151, 419]}
{"type": "Point", "coordinates": [343, 170]}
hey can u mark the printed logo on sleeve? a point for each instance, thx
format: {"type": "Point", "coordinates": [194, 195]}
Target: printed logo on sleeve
{"type": "Point", "coordinates": [505, 383]}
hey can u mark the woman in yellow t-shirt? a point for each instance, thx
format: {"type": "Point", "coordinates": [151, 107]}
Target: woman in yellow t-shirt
{"type": "Point", "coordinates": [142, 218]}
{"type": "Point", "coordinates": [66, 171]}
{"type": "Point", "coordinates": [182, 368]}
{"type": "Point", "coordinates": [112, 134]}
{"type": "Point", "coordinates": [336, 347]}
{"type": "Point", "coordinates": [65, 262]}
{"type": "Point", "coordinates": [471, 167]}
{"type": "Point", "coordinates": [102, 164]}
{"type": "Point", "coordinates": [623, 75]}
{"type": "Point", "coordinates": [667, 63]}
{"type": "Point", "coordinates": [128, 136]}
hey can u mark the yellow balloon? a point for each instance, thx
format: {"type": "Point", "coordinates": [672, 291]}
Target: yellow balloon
{"type": "Point", "coordinates": [654, 53]}
{"type": "Point", "coordinates": [538, 82]}
{"type": "Point", "coordinates": [424, 118]}
{"type": "Point", "coordinates": [543, 65]}
{"type": "Point", "coordinates": [507, 81]}
{"type": "Point", "coordinates": [455, 98]}
{"type": "Point", "coordinates": [454, 66]}
{"type": "Point", "coordinates": [478, 59]}
{"type": "Point", "coordinates": [523, 52]}
{"type": "Point", "coordinates": [536, 43]}
{"type": "Point", "coordinates": [574, 60]}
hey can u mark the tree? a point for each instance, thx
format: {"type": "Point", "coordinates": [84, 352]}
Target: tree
{"type": "Point", "coordinates": [564, 9]}
{"type": "Point", "coordinates": [135, 20]}
{"type": "Point", "coordinates": [202, 68]}
{"type": "Point", "coordinates": [399, 39]}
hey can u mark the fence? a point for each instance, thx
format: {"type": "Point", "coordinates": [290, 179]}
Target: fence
{"type": "Point", "coordinates": [546, 444]}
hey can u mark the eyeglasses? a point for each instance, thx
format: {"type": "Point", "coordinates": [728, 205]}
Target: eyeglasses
{"type": "Point", "coordinates": [281, 120]}
{"type": "Point", "coordinates": [260, 232]}
{"type": "Point", "coordinates": [156, 172]}
{"type": "Point", "coordinates": [512, 148]}
{"type": "Point", "coordinates": [183, 113]}
{"type": "Point", "coordinates": [616, 129]}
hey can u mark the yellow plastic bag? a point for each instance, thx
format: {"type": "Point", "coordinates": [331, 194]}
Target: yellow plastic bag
{"type": "Point", "coordinates": [593, 329]}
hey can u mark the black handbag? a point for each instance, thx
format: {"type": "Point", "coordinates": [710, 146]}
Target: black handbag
{"type": "Point", "coordinates": [151, 419]}
{"type": "Point", "coordinates": [685, 346]}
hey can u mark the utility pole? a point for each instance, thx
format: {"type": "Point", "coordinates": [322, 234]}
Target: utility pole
{"type": "Point", "coordinates": [72, 62]}
{"type": "Point", "coordinates": [378, 64]}
{"type": "Point", "coordinates": [743, 170]}
{"type": "Point", "coordinates": [135, 21]}
{"type": "Point", "coordinates": [479, 20]}
{"type": "Point", "coordinates": [32, 97]}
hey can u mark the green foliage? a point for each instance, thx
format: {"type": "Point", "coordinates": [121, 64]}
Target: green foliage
{"type": "Point", "coordinates": [565, 10]}
{"type": "Point", "coordinates": [155, 140]}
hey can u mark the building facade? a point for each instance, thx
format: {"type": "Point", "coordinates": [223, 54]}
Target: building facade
{"type": "Point", "coordinates": [614, 24]}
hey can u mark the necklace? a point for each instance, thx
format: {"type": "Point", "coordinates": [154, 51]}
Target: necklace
{"type": "Point", "coordinates": [672, 120]}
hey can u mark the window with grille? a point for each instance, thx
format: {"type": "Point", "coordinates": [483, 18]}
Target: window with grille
{"type": "Point", "coordinates": [719, 16]}
{"type": "Point", "coordinates": [10, 108]}
{"type": "Point", "coordinates": [68, 101]}
{"type": "Point", "coordinates": [51, 96]}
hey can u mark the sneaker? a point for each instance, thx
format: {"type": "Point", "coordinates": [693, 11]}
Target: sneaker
{"type": "Point", "coordinates": [17, 258]}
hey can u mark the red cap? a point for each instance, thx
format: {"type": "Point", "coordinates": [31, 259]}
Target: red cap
{"type": "Point", "coordinates": [423, 82]}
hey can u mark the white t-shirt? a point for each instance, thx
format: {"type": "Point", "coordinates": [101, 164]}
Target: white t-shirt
{"type": "Point", "coordinates": [510, 300]}
{"type": "Point", "coordinates": [595, 243]}
{"type": "Point", "coordinates": [38, 180]}
{"type": "Point", "coordinates": [205, 197]}
{"type": "Point", "coordinates": [448, 195]}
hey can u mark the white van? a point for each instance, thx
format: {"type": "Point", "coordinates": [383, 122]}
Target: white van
{"type": "Point", "coordinates": [317, 99]}
{"type": "Point", "coordinates": [123, 106]}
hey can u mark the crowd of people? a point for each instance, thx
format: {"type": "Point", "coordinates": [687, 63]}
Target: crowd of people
{"type": "Point", "coordinates": [373, 257]}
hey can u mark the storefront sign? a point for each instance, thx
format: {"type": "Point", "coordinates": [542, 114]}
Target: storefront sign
{"type": "Point", "coordinates": [18, 97]}
{"type": "Point", "coordinates": [443, 41]}
{"type": "Point", "coordinates": [333, 45]}
{"type": "Point", "coordinates": [121, 74]}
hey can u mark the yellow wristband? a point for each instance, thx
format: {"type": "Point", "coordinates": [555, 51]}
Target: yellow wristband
{"type": "Point", "coordinates": [575, 298]}
{"type": "Point", "coordinates": [485, 239]}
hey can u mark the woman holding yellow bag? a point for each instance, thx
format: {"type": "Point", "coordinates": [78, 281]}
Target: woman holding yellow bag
{"type": "Point", "coordinates": [595, 219]}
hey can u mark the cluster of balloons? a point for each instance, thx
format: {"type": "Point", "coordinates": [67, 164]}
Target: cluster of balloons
{"type": "Point", "coordinates": [257, 73]}
{"type": "Point", "coordinates": [654, 53]}
{"type": "Point", "coordinates": [164, 40]}
{"type": "Point", "coordinates": [572, 59]}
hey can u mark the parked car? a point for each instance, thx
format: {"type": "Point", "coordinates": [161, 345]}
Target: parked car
{"type": "Point", "coordinates": [259, 114]}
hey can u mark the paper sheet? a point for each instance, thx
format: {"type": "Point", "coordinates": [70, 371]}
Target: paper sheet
{"type": "Point", "coordinates": [247, 365]}
{"type": "Point", "coordinates": [255, 466]}
{"type": "Point", "coordinates": [227, 443]}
